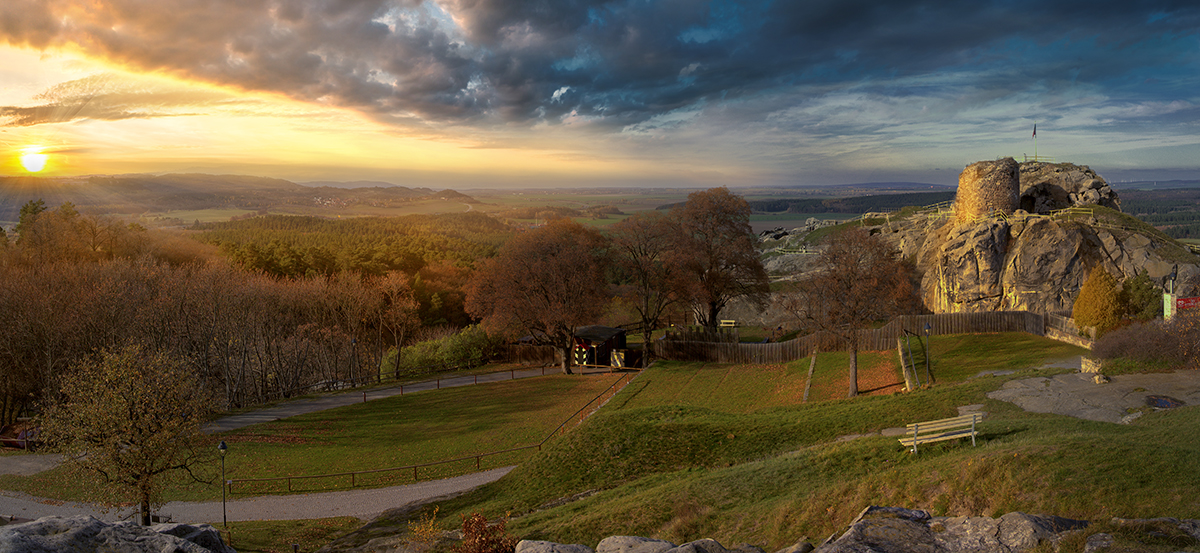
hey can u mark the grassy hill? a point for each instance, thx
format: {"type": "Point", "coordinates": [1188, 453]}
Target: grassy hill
{"type": "Point", "coordinates": [690, 450]}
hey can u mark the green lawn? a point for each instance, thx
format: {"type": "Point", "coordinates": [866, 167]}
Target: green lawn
{"type": "Point", "coordinates": [417, 428]}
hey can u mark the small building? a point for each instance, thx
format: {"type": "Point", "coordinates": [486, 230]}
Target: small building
{"type": "Point", "coordinates": [596, 344]}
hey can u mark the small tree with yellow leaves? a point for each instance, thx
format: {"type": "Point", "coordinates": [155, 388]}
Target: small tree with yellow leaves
{"type": "Point", "coordinates": [1099, 303]}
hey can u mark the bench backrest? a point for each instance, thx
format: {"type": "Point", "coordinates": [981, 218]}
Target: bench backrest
{"type": "Point", "coordinates": [945, 424]}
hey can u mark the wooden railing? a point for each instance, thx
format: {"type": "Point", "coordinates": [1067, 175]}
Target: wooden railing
{"type": "Point", "coordinates": [879, 339]}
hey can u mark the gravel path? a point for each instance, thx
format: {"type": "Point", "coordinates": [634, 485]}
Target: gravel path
{"type": "Point", "coordinates": [304, 406]}
{"type": "Point", "coordinates": [362, 504]}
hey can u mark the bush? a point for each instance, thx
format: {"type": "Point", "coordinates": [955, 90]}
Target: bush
{"type": "Point", "coordinates": [1140, 298]}
{"type": "Point", "coordinates": [469, 347]}
{"type": "Point", "coordinates": [481, 537]}
{"type": "Point", "coordinates": [1098, 304]}
{"type": "Point", "coordinates": [1151, 343]}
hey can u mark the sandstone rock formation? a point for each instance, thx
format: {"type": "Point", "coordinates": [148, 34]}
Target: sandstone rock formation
{"type": "Point", "coordinates": [1028, 261]}
{"type": "Point", "coordinates": [85, 533]}
{"type": "Point", "coordinates": [1046, 187]}
{"type": "Point", "coordinates": [985, 187]}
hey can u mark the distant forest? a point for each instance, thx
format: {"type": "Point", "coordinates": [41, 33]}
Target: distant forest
{"type": "Point", "coordinates": [1175, 211]}
{"type": "Point", "coordinates": [855, 204]}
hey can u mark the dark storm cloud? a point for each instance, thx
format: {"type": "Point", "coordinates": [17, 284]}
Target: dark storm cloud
{"type": "Point", "coordinates": [613, 63]}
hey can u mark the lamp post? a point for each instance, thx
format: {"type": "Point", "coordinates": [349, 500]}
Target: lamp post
{"type": "Point", "coordinates": [222, 448]}
{"type": "Point", "coordinates": [928, 352]}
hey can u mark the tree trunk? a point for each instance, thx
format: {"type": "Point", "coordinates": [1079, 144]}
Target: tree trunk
{"type": "Point", "coordinates": [853, 369]}
{"type": "Point", "coordinates": [566, 359]}
{"type": "Point", "coordinates": [145, 510]}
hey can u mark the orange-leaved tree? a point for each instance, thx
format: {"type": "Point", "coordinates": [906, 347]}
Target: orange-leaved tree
{"type": "Point", "coordinates": [858, 279]}
{"type": "Point", "coordinates": [1099, 303]}
{"type": "Point", "coordinates": [717, 253]}
{"type": "Point", "coordinates": [543, 284]}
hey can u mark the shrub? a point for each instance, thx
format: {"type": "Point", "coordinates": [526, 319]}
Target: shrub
{"type": "Point", "coordinates": [1147, 343]}
{"type": "Point", "coordinates": [469, 347]}
{"type": "Point", "coordinates": [1140, 298]}
{"type": "Point", "coordinates": [481, 537]}
{"type": "Point", "coordinates": [1098, 304]}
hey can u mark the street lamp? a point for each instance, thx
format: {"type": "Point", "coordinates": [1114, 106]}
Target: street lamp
{"type": "Point", "coordinates": [928, 352]}
{"type": "Point", "coordinates": [222, 448]}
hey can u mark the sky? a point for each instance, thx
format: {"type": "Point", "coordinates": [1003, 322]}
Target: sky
{"type": "Point", "coordinates": [572, 93]}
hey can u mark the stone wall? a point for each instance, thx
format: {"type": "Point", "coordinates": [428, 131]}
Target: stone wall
{"type": "Point", "coordinates": [987, 186]}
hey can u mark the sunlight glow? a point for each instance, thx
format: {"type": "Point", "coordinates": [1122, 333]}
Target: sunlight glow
{"type": "Point", "coordinates": [32, 159]}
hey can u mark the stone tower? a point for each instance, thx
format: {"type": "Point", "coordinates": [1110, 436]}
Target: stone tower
{"type": "Point", "coordinates": [985, 187]}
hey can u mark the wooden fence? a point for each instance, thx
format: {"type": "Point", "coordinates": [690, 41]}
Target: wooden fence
{"type": "Point", "coordinates": [878, 339]}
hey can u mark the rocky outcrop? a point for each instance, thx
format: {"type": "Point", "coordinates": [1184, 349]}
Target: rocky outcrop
{"type": "Point", "coordinates": [1047, 187]}
{"type": "Point", "coordinates": [894, 529]}
{"type": "Point", "coordinates": [1025, 260]}
{"type": "Point", "coordinates": [85, 533]}
{"type": "Point", "coordinates": [1028, 262]}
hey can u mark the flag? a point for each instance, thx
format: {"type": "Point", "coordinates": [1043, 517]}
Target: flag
{"type": "Point", "coordinates": [1035, 130]}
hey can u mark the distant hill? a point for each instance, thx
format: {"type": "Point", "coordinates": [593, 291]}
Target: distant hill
{"type": "Point", "coordinates": [138, 194]}
{"type": "Point", "coordinates": [349, 184]}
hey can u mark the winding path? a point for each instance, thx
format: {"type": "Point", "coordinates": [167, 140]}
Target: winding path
{"type": "Point", "coordinates": [364, 504]}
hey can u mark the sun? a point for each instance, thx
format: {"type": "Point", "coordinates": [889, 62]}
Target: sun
{"type": "Point", "coordinates": [32, 159]}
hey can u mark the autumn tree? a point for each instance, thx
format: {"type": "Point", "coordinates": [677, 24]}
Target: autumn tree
{"type": "Point", "coordinates": [644, 250]}
{"type": "Point", "coordinates": [717, 252]}
{"type": "Point", "coordinates": [132, 416]}
{"type": "Point", "coordinates": [858, 279]}
{"type": "Point", "coordinates": [544, 283]}
{"type": "Point", "coordinates": [1099, 304]}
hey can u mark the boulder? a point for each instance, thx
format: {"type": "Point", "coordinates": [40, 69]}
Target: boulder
{"type": "Point", "coordinates": [85, 533]}
{"type": "Point", "coordinates": [886, 529]}
{"type": "Point", "coordinates": [538, 546]}
{"type": "Point", "coordinates": [632, 544]}
{"type": "Point", "coordinates": [1047, 187]}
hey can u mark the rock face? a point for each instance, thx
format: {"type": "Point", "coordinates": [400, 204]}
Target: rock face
{"type": "Point", "coordinates": [1046, 187]}
{"type": "Point", "coordinates": [985, 187]}
{"type": "Point", "coordinates": [85, 533]}
{"type": "Point", "coordinates": [1032, 263]}
{"type": "Point", "coordinates": [1027, 261]}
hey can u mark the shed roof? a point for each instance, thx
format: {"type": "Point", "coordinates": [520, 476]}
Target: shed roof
{"type": "Point", "coordinates": [598, 333]}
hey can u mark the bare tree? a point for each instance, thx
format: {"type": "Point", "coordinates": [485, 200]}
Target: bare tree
{"type": "Point", "coordinates": [858, 280]}
{"type": "Point", "coordinates": [644, 248]}
{"type": "Point", "coordinates": [717, 252]}
{"type": "Point", "coordinates": [544, 283]}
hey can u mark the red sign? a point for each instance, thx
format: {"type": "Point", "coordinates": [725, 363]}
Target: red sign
{"type": "Point", "coordinates": [1187, 303]}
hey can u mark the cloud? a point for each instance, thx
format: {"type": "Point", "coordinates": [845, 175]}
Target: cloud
{"type": "Point", "coordinates": [625, 63]}
{"type": "Point", "coordinates": [110, 97]}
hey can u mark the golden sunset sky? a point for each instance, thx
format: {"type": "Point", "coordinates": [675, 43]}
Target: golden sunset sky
{"type": "Point", "coordinates": [500, 93]}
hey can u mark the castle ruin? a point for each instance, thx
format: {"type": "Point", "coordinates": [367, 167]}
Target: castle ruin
{"type": "Point", "coordinates": [985, 187]}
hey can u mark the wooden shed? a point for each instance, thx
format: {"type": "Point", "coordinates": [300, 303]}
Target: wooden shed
{"type": "Point", "coordinates": [596, 344]}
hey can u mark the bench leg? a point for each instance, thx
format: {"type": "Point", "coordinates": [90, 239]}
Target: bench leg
{"type": "Point", "coordinates": [916, 432]}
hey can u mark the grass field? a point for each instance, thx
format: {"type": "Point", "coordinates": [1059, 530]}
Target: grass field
{"type": "Point", "coordinates": [402, 430]}
{"type": "Point", "coordinates": [692, 450]}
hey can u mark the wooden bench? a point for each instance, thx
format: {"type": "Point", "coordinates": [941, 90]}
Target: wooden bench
{"type": "Point", "coordinates": [939, 430]}
{"type": "Point", "coordinates": [728, 323]}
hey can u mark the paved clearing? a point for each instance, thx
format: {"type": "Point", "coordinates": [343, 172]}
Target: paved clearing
{"type": "Point", "coordinates": [1077, 395]}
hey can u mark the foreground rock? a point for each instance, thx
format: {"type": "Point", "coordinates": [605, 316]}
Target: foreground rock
{"type": "Point", "coordinates": [897, 530]}
{"type": "Point", "coordinates": [85, 533]}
